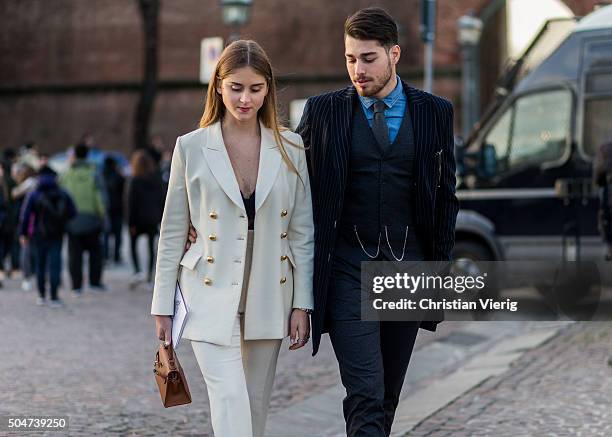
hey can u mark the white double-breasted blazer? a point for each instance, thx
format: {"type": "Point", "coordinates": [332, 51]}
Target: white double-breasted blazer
{"type": "Point", "coordinates": [203, 188]}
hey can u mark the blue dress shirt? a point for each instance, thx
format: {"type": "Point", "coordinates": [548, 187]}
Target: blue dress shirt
{"type": "Point", "coordinates": [394, 113]}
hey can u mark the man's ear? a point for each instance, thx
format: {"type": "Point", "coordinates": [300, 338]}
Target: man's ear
{"type": "Point", "coordinates": [395, 53]}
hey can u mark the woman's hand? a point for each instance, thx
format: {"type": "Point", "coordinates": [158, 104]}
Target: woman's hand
{"type": "Point", "coordinates": [191, 237]}
{"type": "Point", "coordinates": [300, 329]}
{"type": "Point", "coordinates": [163, 327]}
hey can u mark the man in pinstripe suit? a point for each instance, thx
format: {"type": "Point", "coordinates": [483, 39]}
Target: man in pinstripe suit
{"type": "Point", "coordinates": [383, 187]}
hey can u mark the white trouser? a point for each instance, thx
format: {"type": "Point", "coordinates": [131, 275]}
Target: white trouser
{"type": "Point", "coordinates": [239, 379]}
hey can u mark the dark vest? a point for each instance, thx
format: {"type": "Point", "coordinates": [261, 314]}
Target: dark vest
{"type": "Point", "coordinates": [378, 196]}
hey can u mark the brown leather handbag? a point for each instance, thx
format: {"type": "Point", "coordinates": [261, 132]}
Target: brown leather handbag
{"type": "Point", "coordinates": [170, 378]}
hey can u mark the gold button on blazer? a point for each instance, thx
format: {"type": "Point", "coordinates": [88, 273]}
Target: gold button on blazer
{"type": "Point", "coordinates": [201, 181]}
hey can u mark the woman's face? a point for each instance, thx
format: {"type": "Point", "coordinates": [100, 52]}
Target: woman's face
{"type": "Point", "coordinates": [243, 92]}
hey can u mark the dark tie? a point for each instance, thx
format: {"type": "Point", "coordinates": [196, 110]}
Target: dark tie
{"type": "Point", "coordinates": [379, 125]}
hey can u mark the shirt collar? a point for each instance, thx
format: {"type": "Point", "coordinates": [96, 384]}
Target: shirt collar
{"type": "Point", "coordinates": [391, 98]}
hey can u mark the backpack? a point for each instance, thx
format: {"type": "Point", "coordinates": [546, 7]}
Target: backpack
{"type": "Point", "coordinates": [51, 214]}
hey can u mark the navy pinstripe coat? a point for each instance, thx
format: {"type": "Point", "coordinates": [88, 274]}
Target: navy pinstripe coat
{"type": "Point", "coordinates": [326, 130]}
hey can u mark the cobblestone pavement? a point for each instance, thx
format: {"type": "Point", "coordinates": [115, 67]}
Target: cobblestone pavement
{"type": "Point", "coordinates": [563, 388]}
{"type": "Point", "coordinates": [92, 360]}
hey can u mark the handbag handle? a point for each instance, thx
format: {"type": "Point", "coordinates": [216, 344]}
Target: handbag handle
{"type": "Point", "coordinates": [171, 361]}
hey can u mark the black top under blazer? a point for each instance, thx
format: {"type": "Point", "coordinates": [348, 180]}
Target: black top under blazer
{"type": "Point", "coordinates": [326, 129]}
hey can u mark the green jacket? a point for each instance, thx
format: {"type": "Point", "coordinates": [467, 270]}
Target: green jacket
{"type": "Point", "coordinates": [81, 181]}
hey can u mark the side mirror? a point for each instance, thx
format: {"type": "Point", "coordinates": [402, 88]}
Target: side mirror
{"type": "Point", "coordinates": [468, 159]}
{"type": "Point", "coordinates": [488, 161]}
{"type": "Point", "coordinates": [460, 156]}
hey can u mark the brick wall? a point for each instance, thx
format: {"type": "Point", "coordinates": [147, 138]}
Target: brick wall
{"type": "Point", "coordinates": [71, 43]}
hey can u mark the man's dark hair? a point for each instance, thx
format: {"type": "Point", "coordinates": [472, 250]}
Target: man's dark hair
{"type": "Point", "coordinates": [45, 170]}
{"type": "Point", "coordinates": [372, 23]}
{"type": "Point", "coordinates": [81, 150]}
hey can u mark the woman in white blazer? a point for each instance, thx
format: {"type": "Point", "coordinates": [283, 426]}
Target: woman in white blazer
{"type": "Point", "coordinates": [242, 181]}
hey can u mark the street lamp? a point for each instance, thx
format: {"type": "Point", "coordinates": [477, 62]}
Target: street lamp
{"type": "Point", "coordinates": [470, 29]}
{"type": "Point", "coordinates": [236, 13]}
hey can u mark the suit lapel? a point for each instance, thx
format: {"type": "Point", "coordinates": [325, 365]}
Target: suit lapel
{"type": "Point", "coordinates": [417, 103]}
{"type": "Point", "coordinates": [269, 164]}
{"type": "Point", "coordinates": [220, 165]}
{"type": "Point", "coordinates": [342, 114]}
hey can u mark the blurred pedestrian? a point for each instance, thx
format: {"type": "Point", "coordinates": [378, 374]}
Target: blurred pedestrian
{"type": "Point", "coordinates": [153, 149]}
{"type": "Point", "coordinates": [45, 213]}
{"type": "Point", "coordinates": [165, 158]}
{"type": "Point", "coordinates": [145, 201]}
{"type": "Point", "coordinates": [43, 159]}
{"type": "Point", "coordinates": [85, 229]}
{"type": "Point", "coordinates": [3, 209]}
{"type": "Point", "coordinates": [114, 183]}
{"type": "Point", "coordinates": [28, 154]}
{"type": "Point", "coordinates": [602, 176]}
{"type": "Point", "coordinates": [164, 166]}
{"type": "Point", "coordinates": [8, 234]}
{"type": "Point", "coordinates": [26, 181]}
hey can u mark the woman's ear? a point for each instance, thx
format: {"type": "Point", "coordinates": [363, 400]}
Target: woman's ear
{"type": "Point", "coordinates": [218, 85]}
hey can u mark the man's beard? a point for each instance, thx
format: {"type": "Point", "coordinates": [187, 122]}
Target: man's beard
{"type": "Point", "coordinates": [379, 85]}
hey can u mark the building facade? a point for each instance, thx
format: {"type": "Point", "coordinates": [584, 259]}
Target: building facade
{"type": "Point", "coordinates": [71, 66]}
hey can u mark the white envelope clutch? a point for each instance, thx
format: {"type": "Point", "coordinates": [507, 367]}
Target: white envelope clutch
{"type": "Point", "coordinates": [180, 316]}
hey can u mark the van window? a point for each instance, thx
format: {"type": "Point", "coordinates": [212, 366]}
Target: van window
{"type": "Point", "coordinates": [597, 126]}
{"type": "Point", "coordinates": [597, 54]}
{"type": "Point", "coordinates": [598, 82]}
{"type": "Point", "coordinates": [499, 138]}
{"type": "Point", "coordinates": [541, 127]}
{"type": "Point", "coordinates": [533, 130]}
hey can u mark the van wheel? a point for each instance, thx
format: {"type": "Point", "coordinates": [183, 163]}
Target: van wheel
{"type": "Point", "coordinates": [468, 258]}
{"type": "Point", "coordinates": [472, 251]}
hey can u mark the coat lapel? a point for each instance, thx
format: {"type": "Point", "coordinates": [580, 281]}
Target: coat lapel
{"type": "Point", "coordinates": [269, 164]}
{"type": "Point", "coordinates": [220, 165]}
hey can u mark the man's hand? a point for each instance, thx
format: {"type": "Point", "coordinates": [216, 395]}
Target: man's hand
{"type": "Point", "coordinates": [191, 237]}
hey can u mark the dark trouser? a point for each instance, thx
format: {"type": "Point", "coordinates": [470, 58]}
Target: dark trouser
{"type": "Point", "coordinates": [116, 222]}
{"type": "Point", "coordinates": [9, 246]}
{"type": "Point", "coordinates": [77, 244]}
{"type": "Point", "coordinates": [28, 260]}
{"type": "Point", "coordinates": [48, 253]}
{"type": "Point", "coordinates": [373, 356]}
{"type": "Point", "coordinates": [150, 231]}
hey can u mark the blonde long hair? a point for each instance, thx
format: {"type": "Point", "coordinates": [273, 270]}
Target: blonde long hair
{"type": "Point", "coordinates": [239, 54]}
